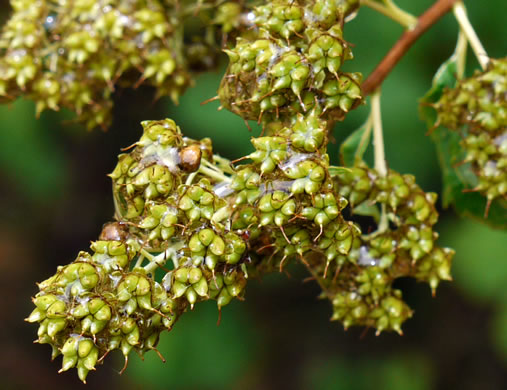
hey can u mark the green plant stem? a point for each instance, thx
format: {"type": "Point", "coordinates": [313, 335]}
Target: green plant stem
{"type": "Point", "coordinates": [147, 254]}
{"type": "Point", "coordinates": [364, 139]}
{"type": "Point", "coordinates": [116, 203]}
{"type": "Point", "coordinates": [190, 178]}
{"type": "Point", "coordinates": [139, 261]}
{"type": "Point", "coordinates": [317, 279]}
{"type": "Point", "coordinates": [461, 54]}
{"type": "Point", "coordinates": [392, 11]}
{"type": "Point", "coordinates": [378, 138]}
{"type": "Point", "coordinates": [214, 174]}
{"type": "Point", "coordinates": [461, 16]}
{"type": "Point", "coordinates": [161, 259]}
{"type": "Point", "coordinates": [224, 164]}
{"type": "Point", "coordinates": [218, 168]}
{"type": "Point", "coordinates": [379, 152]}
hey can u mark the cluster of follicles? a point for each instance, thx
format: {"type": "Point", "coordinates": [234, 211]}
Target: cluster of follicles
{"type": "Point", "coordinates": [191, 226]}
{"type": "Point", "coordinates": [73, 54]}
{"type": "Point", "coordinates": [477, 108]}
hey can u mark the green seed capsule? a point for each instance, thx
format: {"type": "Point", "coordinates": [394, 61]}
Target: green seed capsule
{"type": "Point", "coordinates": [143, 286]}
{"type": "Point", "coordinates": [181, 275]}
{"type": "Point", "coordinates": [300, 73]}
{"type": "Point", "coordinates": [70, 348]}
{"type": "Point", "coordinates": [217, 246]}
{"type": "Point", "coordinates": [178, 289]}
{"type": "Point", "coordinates": [44, 302]}
{"type": "Point", "coordinates": [191, 296]}
{"type": "Point", "coordinates": [56, 310]}
{"type": "Point", "coordinates": [91, 359]}
{"type": "Point", "coordinates": [68, 362]}
{"type": "Point", "coordinates": [84, 348]}
{"type": "Point", "coordinates": [206, 236]}
{"type": "Point", "coordinates": [97, 326]}
{"type": "Point", "coordinates": [201, 287]}
{"type": "Point", "coordinates": [144, 301]}
{"type": "Point", "coordinates": [194, 275]}
{"type": "Point", "coordinates": [224, 298]}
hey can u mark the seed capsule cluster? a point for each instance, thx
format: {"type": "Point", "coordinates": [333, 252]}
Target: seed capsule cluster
{"type": "Point", "coordinates": [286, 74]}
{"type": "Point", "coordinates": [403, 247]}
{"type": "Point", "coordinates": [290, 62]}
{"type": "Point", "coordinates": [209, 227]}
{"type": "Point", "coordinates": [287, 194]}
{"type": "Point", "coordinates": [72, 53]}
{"type": "Point", "coordinates": [167, 211]}
{"type": "Point", "coordinates": [477, 107]}
{"type": "Point", "coordinates": [97, 304]}
{"type": "Point", "coordinates": [205, 225]}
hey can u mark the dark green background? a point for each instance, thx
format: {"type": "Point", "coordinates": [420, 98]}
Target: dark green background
{"type": "Point", "coordinates": [55, 196]}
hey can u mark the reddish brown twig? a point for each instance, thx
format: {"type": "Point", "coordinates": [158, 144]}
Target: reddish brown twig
{"type": "Point", "coordinates": [425, 21]}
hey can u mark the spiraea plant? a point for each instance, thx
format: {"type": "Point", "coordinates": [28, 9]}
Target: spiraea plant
{"type": "Point", "coordinates": [190, 225]}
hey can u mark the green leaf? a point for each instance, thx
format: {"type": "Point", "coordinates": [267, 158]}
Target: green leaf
{"type": "Point", "coordinates": [457, 177]}
{"type": "Point", "coordinates": [335, 171]}
{"type": "Point", "coordinates": [445, 77]}
{"type": "Point", "coordinates": [354, 147]}
{"type": "Point", "coordinates": [367, 210]}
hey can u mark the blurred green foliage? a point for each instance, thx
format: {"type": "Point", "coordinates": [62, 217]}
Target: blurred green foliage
{"type": "Point", "coordinates": [407, 371]}
{"type": "Point", "coordinates": [39, 161]}
{"type": "Point", "coordinates": [481, 271]}
{"type": "Point", "coordinates": [28, 155]}
{"type": "Point", "coordinates": [222, 353]}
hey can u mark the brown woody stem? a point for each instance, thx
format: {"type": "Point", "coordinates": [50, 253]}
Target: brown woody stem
{"type": "Point", "coordinates": [425, 21]}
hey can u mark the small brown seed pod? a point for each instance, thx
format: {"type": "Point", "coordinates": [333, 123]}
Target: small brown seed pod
{"type": "Point", "coordinates": [113, 231]}
{"type": "Point", "coordinates": [190, 158]}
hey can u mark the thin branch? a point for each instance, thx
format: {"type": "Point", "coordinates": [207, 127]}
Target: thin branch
{"type": "Point", "coordinates": [212, 173]}
{"type": "Point", "coordinates": [365, 138]}
{"type": "Point", "coordinates": [461, 55]}
{"type": "Point", "coordinates": [465, 25]}
{"type": "Point", "coordinates": [378, 137]}
{"type": "Point", "coordinates": [190, 178]}
{"type": "Point", "coordinates": [160, 259]}
{"type": "Point", "coordinates": [379, 151]}
{"type": "Point", "coordinates": [395, 13]}
{"type": "Point", "coordinates": [317, 278]}
{"type": "Point", "coordinates": [425, 21]}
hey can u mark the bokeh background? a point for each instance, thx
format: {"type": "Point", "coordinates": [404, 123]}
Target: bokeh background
{"type": "Point", "coordinates": [55, 196]}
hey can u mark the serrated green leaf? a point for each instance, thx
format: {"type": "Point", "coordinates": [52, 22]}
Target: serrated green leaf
{"type": "Point", "coordinates": [354, 147]}
{"type": "Point", "coordinates": [457, 177]}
